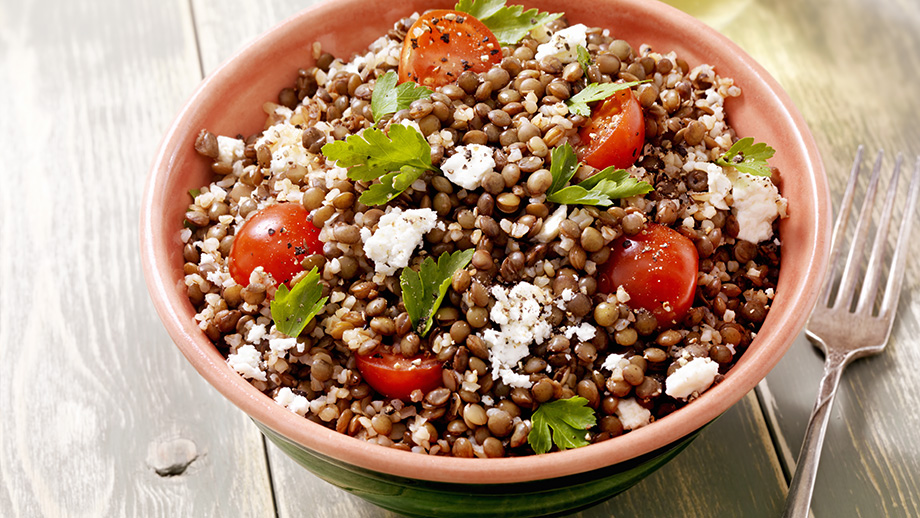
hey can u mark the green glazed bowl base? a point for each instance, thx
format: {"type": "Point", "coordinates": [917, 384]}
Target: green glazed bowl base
{"type": "Point", "coordinates": [425, 499]}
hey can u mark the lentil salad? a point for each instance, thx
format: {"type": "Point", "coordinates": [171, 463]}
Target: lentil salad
{"type": "Point", "coordinates": [585, 337]}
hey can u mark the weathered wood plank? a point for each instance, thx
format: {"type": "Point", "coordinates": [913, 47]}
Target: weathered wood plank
{"type": "Point", "coordinates": [95, 398]}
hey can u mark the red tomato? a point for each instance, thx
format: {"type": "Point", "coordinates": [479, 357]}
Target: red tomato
{"type": "Point", "coordinates": [658, 268]}
{"type": "Point", "coordinates": [616, 133]}
{"type": "Point", "coordinates": [277, 238]}
{"type": "Point", "coordinates": [442, 44]}
{"type": "Point", "coordinates": [396, 376]}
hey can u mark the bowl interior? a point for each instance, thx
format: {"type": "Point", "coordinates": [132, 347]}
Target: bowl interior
{"type": "Point", "coordinates": [229, 102]}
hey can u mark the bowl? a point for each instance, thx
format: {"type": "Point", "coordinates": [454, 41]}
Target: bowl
{"type": "Point", "coordinates": [229, 102]}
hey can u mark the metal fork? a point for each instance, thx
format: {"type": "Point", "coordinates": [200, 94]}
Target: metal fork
{"type": "Point", "coordinates": [844, 332]}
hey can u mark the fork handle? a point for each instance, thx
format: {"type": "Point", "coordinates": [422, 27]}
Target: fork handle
{"type": "Point", "coordinates": [802, 485]}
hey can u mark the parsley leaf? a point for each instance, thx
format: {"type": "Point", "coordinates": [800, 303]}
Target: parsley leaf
{"type": "Point", "coordinates": [568, 419]}
{"type": "Point", "coordinates": [578, 103]}
{"type": "Point", "coordinates": [293, 309]}
{"type": "Point", "coordinates": [391, 185]}
{"type": "Point", "coordinates": [584, 58]}
{"type": "Point", "coordinates": [373, 153]}
{"type": "Point", "coordinates": [508, 23]}
{"type": "Point", "coordinates": [424, 290]}
{"type": "Point", "coordinates": [388, 98]}
{"type": "Point", "coordinates": [748, 157]}
{"type": "Point", "coordinates": [194, 193]}
{"type": "Point", "coordinates": [600, 189]}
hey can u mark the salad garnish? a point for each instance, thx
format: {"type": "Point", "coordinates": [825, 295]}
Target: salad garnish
{"type": "Point", "coordinates": [509, 23]}
{"type": "Point", "coordinates": [569, 420]}
{"type": "Point", "coordinates": [748, 157]}
{"type": "Point", "coordinates": [293, 309]}
{"type": "Point", "coordinates": [424, 290]}
{"type": "Point", "coordinates": [599, 189]}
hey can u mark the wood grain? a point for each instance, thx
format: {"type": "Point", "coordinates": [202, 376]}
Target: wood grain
{"type": "Point", "coordinates": [95, 398]}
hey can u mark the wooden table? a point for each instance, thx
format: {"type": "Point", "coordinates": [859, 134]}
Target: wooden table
{"type": "Point", "coordinates": [101, 416]}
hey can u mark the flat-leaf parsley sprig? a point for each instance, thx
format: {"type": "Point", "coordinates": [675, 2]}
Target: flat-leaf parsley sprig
{"type": "Point", "coordinates": [748, 157]}
{"type": "Point", "coordinates": [508, 23]}
{"type": "Point", "coordinates": [388, 98]}
{"type": "Point", "coordinates": [578, 103]}
{"type": "Point", "coordinates": [400, 157]}
{"type": "Point", "coordinates": [599, 189]}
{"type": "Point", "coordinates": [569, 420]}
{"type": "Point", "coordinates": [424, 290]}
{"type": "Point", "coordinates": [293, 309]}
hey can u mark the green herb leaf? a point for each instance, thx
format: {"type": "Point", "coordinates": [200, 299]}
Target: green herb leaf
{"type": "Point", "coordinates": [293, 309]}
{"type": "Point", "coordinates": [563, 165]}
{"type": "Point", "coordinates": [424, 290]}
{"type": "Point", "coordinates": [373, 153]}
{"type": "Point", "coordinates": [391, 185]}
{"type": "Point", "coordinates": [194, 193]}
{"type": "Point", "coordinates": [578, 103]}
{"type": "Point", "coordinates": [584, 58]}
{"type": "Point", "coordinates": [600, 189]}
{"type": "Point", "coordinates": [508, 23]}
{"type": "Point", "coordinates": [388, 98]}
{"type": "Point", "coordinates": [569, 420]}
{"type": "Point", "coordinates": [748, 157]}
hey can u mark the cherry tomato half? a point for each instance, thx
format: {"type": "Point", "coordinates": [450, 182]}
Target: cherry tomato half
{"type": "Point", "coordinates": [616, 133]}
{"type": "Point", "coordinates": [277, 238]}
{"type": "Point", "coordinates": [396, 376]}
{"type": "Point", "coordinates": [658, 268]}
{"type": "Point", "coordinates": [442, 44]}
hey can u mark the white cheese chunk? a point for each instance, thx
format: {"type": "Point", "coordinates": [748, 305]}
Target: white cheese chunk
{"type": "Point", "coordinates": [564, 44]}
{"type": "Point", "coordinates": [285, 141]}
{"type": "Point", "coordinates": [229, 149]}
{"type": "Point", "coordinates": [522, 314]}
{"type": "Point", "coordinates": [632, 414]}
{"type": "Point", "coordinates": [552, 225]}
{"type": "Point", "coordinates": [246, 362]}
{"type": "Point", "coordinates": [469, 165]}
{"type": "Point", "coordinates": [719, 186]}
{"type": "Point", "coordinates": [584, 332]}
{"type": "Point", "coordinates": [293, 402]}
{"type": "Point", "coordinates": [694, 377]}
{"type": "Point", "coordinates": [756, 204]}
{"type": "Point", "coordinates": [398, 234]}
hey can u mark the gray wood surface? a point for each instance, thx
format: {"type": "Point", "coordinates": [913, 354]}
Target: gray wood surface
{"type": "Point", "coordinates": [94, 398]}
{"type": "Point", "coordinates": [101, 416]}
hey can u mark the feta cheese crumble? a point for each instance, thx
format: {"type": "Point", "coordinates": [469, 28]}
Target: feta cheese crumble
{"type": "Point", "coordinates": [564, 44]}
{"type": "Point", "coordinates": [755, 200]}
{"type": "Point", "coordinates": [694, 377]}
{"type": "Point", "coordinates": [398, 234]}
{"type": "Point", "coordinates": [632, 414]}
{"type": "Point", "coordinates": [469, 165]}
{"type": "Point", "coordinates": [293, 402]}
{"type": "Point", "coordinates": [285, 141]}
{"type": "Point", "coordinates": [522, 314]}
{"type": "Point", "coordinates": [246, 362]}
{"type": "Point", "coordinates": [756, 204]}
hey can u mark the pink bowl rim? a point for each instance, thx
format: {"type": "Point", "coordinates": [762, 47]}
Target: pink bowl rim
{"type": "Point", "coordinates": [741, 379]}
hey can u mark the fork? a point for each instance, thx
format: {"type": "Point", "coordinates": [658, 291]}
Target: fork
{"type": "Point", "coordinates": [844, 332]}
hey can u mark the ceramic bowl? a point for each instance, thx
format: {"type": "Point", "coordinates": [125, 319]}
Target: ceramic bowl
{"type": "Point", "coordinates": [229, 102]}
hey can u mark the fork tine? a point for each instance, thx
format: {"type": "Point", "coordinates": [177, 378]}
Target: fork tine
{"type": "Point", "coordinates": [843, 216]}
{"type": "Point", "coordinates": [874, 268]}
{"type": "Point", "coordinates": [899, 262]}
{"type": "Point", "coordinates": [851, 269]}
